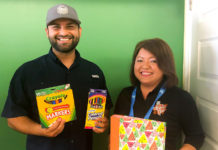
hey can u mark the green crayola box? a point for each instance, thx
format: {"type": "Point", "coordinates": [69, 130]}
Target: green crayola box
{"type": "Point", "coordinates": [55, 102]}
{"type": "Point", "coordinates": [95, 107]}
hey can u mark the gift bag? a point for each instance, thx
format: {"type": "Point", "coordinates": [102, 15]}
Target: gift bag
{"type": "Point", "coordinates": [131, 133]}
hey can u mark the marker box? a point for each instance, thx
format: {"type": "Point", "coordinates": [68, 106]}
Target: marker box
{"type": "Point", "coordinates": [55, 102]}
{"type": "Point", "coordinates": [95, 107]}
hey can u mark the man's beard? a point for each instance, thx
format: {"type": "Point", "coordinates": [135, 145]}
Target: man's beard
{"type": "Point", "coordinates": [62, 49]}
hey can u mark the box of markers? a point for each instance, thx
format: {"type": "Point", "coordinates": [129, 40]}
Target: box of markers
{"type": "Point", "coordinates": [55, 102]}
{"type": "Point", "coordinates": [95, 107]}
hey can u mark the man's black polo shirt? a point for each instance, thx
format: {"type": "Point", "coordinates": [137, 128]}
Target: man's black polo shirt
{"type": "Point", "coordinates": [47, 71]}
{"type": "Point", "coordinates": [178, 111]}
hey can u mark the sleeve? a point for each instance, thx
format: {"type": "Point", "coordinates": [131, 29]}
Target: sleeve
{"type": "Point", "coordinates": [16, 102]}
{"type": "Point", "coordinates": [122, 105]}
{"type": "Point", "coordinates": [190, 122]}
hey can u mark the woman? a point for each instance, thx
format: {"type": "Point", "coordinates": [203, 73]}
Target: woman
{"type": "Point", "coordinates": [154, 82]}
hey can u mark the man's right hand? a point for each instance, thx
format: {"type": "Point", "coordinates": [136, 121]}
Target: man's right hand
{"type": "Point", "coordinates": [56, 128]}
{"type": "Point", "coordinates": [25, 125]}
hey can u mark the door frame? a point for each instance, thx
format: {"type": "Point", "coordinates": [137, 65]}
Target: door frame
{"type": "Point", "coordinates": [188, 16]}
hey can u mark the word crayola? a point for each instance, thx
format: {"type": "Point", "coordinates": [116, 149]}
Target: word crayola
{"type": "Point", "coordinates": [55, 102]}
{"type": "Point", "coordinates": [95, 107]}
{"type": "Point", "coordinates": [55, 99]}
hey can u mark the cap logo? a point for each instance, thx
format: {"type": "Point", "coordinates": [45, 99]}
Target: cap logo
{"type": "Point", "coordinates": [62, 10]}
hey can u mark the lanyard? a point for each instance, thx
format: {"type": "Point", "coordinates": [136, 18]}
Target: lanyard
{"type": "Point", "coordinates": [160, 93]}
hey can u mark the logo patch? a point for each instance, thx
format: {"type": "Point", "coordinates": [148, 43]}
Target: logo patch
{"type": "Point", "coordinates": [62, 10]}
{"type": "Point", "coordinates": [95, 76]}
{"type": "Point", "coordinates": [159, 108]}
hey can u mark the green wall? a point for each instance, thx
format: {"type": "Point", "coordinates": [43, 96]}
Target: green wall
{"type": "Point", "coordinates": [111, 29]}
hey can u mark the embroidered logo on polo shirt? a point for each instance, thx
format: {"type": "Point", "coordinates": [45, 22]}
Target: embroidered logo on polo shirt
{"type": "Point", "coordinates": [95, 76]}
{"type": "Point", "coordinates": [159, 108]}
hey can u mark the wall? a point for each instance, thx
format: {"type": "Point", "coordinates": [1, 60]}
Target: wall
{"type": "Point", "coordinates": [111, 29]}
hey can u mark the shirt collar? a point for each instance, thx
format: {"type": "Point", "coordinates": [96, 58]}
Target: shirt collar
{"type": "Point", "coordinates": [52, 55]}
{"type": "Point", "coordinates": [159, 85]}
{"type": "Point", "coordinates": [156, 89]}
{"type": "Point", "coordinates": [55, 58]}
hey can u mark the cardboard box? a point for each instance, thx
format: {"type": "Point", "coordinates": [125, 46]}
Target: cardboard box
{"type": "Point", "coordinates": [55, 102]}
{"type": "Point", "coordinates": [131, 133]}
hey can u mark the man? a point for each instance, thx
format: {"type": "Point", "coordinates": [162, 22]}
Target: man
{"type": "Point", "coordinates": [61, 65]}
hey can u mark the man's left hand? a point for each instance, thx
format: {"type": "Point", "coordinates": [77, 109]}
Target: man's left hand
{"type": "Point", "coordinates": [101, 125]}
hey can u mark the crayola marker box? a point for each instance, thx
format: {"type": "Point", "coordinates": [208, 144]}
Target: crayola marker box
{"type": "Point", "coordinates": [55, 102]}
{"type": "Point", "coordinates": [95, 107]}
